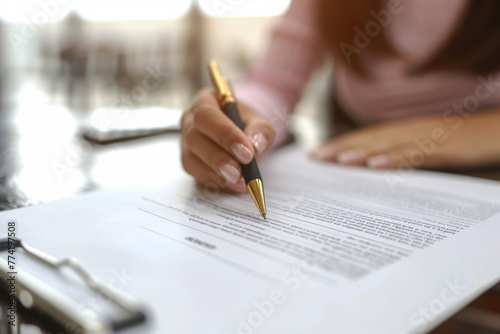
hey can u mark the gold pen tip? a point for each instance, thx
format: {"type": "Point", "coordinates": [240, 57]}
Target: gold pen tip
{"type": "Point", "coordinates": [256, 190]}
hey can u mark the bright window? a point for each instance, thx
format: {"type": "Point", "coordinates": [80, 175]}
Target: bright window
{"type": "Point", "coordinates": [34, 12]}
{"type": "Point", "coordinates": [243, 8]}
{"type": "Point", "coordinates": [37, 12]}
{"type": "Point", "coordinates": [132, 10]}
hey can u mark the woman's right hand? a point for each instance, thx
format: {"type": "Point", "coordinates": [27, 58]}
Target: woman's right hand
{"type": "Point", "coordinates": [213, 146]}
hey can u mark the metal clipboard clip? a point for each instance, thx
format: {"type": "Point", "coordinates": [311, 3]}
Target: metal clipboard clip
{"type": "Point", "coordinates": [36, 295]}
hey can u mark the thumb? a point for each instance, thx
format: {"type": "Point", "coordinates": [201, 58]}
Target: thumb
{"type": "Point", "coordinates": [261, 134]}
{"type": "Point", "coordinates": [258, 129]}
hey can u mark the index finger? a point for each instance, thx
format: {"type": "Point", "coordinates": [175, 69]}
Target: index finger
{"type": "Point", "coordinates": [210, 120]}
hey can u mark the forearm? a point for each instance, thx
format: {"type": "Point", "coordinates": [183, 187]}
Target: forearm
{"type": "Point", "coordinates": [274, 85]}
{"type": "Point", "coordinates": [428, 141]}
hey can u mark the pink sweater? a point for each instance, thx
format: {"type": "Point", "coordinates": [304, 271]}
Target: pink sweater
{"type": "Point", "coordinates": [275, 83]}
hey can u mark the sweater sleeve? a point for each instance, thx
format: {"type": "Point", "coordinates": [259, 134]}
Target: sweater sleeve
{"type": "Point", "coordinates": [274, 85]}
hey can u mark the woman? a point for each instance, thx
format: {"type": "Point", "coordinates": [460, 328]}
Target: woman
{"type": "Point", "coordinates": [420, 77]}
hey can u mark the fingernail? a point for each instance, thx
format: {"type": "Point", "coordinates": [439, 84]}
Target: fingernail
{"type": "Point", "coordinates": [230, 173]}
{"type": "Point", "coordinates": [239, 186]}
{"type": "Point", "coordinates": [378, 160]}
{"type": "Point", "coordinates": [242, 153]}
{"type": "Point", "coordinates": [325, 152]}
{"type": "Point", "coordinates": [350, 156]}
{"type": "Point", "coordinates": [259, 142]}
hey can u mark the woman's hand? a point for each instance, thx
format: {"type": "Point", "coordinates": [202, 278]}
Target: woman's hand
{"type": "Point", "coordinates": [436, 142]}
{"type": "Point", "coordinates": [213, 146]}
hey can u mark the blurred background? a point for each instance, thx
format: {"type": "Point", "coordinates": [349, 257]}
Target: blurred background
{"type": "Point", "coordinates": [83, 54]}
{"type": "Point", "coordinates": [75, 69]}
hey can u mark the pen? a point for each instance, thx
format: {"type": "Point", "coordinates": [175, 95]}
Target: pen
{"type": "Point", "coordinates": [227, 102]}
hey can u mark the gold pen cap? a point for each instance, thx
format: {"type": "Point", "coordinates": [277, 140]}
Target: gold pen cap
{"type": "Point", "coordinates": [223, 90]}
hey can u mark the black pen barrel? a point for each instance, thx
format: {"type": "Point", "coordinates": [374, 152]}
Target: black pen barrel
{"type": "Point", "coordinates": [250, 171]}
{"type": "Point", "coordinates": [231, 111]}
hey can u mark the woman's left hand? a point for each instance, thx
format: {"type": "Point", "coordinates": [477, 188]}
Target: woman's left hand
{"type": "Point", "coordinates": [452, 140]}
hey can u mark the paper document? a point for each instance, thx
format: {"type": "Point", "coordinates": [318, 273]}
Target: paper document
{"type": "Point", "coordinates": [344, 250]}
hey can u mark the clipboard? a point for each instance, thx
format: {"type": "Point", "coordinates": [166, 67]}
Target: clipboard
{"type": "Point", "coordinates": [34, 294]}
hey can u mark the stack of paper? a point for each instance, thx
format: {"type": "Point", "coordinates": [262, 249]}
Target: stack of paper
{"type": "Point", "coordinates": [344, 250]}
